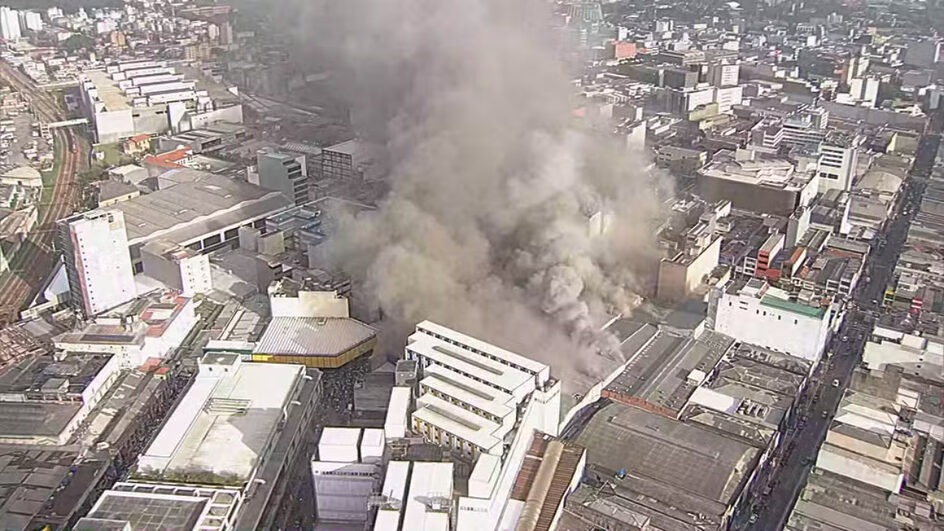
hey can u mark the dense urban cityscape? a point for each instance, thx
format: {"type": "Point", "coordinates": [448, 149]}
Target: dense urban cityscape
{"type": "Point", "coordinates": [471, 265]}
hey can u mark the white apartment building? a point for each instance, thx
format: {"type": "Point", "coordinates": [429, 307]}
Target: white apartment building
{"type": "Point", "coordinates": [94, 247]}
{"type": "Point", "coordinates": [757, 313]}
{"type": "Point", "coordinates": [9, 24]}
{"type": "Point", "coordinates": [31, 20]}
{"type": "Point", "coordinates": [837, 162]}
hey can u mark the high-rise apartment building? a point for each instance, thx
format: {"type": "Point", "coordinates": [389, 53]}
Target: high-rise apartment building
{"type": "Point", "coordinates": [94, 247]}
{"type": "Point", "coordinates": [31, 20]}
{"type": "Point", "coordinates": [9, 24]}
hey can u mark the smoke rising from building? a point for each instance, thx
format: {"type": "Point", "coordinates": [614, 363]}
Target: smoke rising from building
{"type": "Point", "coordinates": [494, 223]}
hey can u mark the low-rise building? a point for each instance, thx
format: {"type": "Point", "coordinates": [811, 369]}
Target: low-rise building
{"type": "Point", "coordinates": [878, 466]}
{"type": "Point", "coordinates": [152, 326]}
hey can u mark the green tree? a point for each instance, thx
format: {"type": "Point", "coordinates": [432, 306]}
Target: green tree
{"type": "Point", "coordinates": [77, 42]}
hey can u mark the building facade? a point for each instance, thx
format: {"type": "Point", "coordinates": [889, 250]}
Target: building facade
{"type": "Point", "coordinates": [94, 247]}
{"type": "Point", "coordinates": [285, 173]}
{"type": "Point", "coordinates": [761, 315]}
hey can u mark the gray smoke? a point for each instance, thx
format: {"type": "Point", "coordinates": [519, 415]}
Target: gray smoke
{"type": "Point", "coordinates": [497, 196]}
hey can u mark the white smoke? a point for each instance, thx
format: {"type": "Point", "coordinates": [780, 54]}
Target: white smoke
{"type": "Point", "coordinates": [489, 224]}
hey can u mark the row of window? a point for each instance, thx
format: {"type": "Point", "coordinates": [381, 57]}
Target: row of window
{"type": "Point", "coordinates": [479, 352]}
{"type": "Point", "coordinates": [464, 405]}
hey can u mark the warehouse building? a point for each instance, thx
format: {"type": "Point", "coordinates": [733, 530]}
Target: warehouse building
{"type": "Point", "coordinates": [149, 97]}
{"type": "Point", "coordinates": [196, 209]}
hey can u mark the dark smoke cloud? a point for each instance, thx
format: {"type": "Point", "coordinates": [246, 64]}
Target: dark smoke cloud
{"type": "Point", "coordinates": [492, 222]}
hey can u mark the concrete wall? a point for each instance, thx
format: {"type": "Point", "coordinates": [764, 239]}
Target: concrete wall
{"type": "Point", "coordinates": [677, 280]}
{"type": "Point", "coordinates": [310, 304]}
{"type": "Point", "coordinates": [746, 319]}
{"type": "Point", "coordinates": [112, 126]}
{"type": "Point", "coordinates": [747, 196]}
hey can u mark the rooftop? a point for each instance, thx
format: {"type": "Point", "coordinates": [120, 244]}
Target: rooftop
{"type": "Point", "coordinates": [154, 507]}
{"type": "Point", "coordinates": [223, 424]}
{"type": "Point", "coordinates": [455, 357]}
{"type": "Point", "coordinates": [683, 467]}
{"type": "Point", "coordinates": [198, 204]}
{"type": "Point", "coordinates": [313, 336]}
{"type": "Point", "coordinates": [40, 395]}
{"type": "Point", "coordinates": [430, 494]}
{"type": "Point", "coordinates": [459, 421]}
{"type": "Point", "coordinates": [467, 390]}
{"type": "Point", "coordinates": [660, 374]}
{"type": "Point", "coordinates": [43, 486]}
{"type": "Point", "coordinates": [771, 173]}
{"type": "Point", "coordinates": [108, 92]}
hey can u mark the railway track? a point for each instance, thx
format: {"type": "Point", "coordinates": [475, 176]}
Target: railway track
{"type": "Point", "coordinates": [36, 259]}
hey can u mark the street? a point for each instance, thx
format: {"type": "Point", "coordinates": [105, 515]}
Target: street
{"type": "Point", "coordinates": [819, 403]}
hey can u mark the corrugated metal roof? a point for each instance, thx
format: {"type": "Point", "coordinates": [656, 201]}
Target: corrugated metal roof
{"type": "Point", "coordinates": [312, 336]}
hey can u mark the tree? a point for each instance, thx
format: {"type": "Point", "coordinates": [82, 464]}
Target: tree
{"type": "Point", "coordinates": [77, 42]}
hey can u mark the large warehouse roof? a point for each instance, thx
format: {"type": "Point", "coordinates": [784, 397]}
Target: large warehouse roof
{"type": "Point", "coordinates": [197, 204]}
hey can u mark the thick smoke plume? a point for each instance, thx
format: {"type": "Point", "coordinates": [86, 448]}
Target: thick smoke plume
{"type": "Point", "coordinates": [492, 223]}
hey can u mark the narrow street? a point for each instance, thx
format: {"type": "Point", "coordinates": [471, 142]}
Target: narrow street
{"type": "Point", "coordinates": [801, 443]}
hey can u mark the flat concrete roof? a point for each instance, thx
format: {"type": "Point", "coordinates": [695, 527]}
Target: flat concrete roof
{"type": "Point", "coordinates": [30, 377]}
{"type": "Point", "coordinates": [428, 480]}
{"type": "Point", "coordinates": [108, 91]}
{"type": "Point", "coordinates": [159, 507]}
{"type": "Point", "coordinates": [198, 204]}
{"type": "Point", "coordinates": [223, 423]}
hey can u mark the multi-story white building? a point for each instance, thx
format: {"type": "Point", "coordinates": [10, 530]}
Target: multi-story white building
{"type": "Point", "coordinates": [94, 247]}
{"type": "Point", "coordinates": [484, 403]}
{"type": "Point", "coordinates": [756, 313]}
{"type": "Point", "coordinates": [345, 473]}
{"type": "Point", "coordinates": [31, 20]}
{"type": "Point", "coordinates": [728, 97]}
{"type": "Point", "coordinates": [838, 156]}
{"type": "Point", "coordinates": [723, 75]}
{"type": "Point", "coordinates": [150, 327]}
{"type": "Point", "coordinates": [803, 130]}
{"type": "Point", "coordinates": [9, 24]}
{"type": "Point", "coordinates": [227, 455]}
{"type": "Point", "coordinates": [135, 97]}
